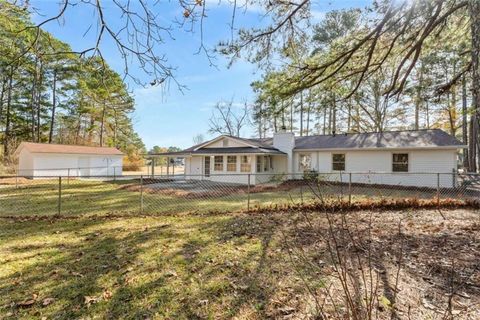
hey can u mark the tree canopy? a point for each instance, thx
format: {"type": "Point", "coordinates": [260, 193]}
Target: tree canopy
{"type": "Point", "coordinates": [58, 98]}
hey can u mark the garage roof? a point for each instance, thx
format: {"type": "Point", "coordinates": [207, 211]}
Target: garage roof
{"type": "Point", "coordinates": [64, 148]}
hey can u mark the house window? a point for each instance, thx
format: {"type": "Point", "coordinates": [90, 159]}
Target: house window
{"type": "Point", "coordinates": [232, 163]}
{"type": "Point", "coordinates": [259, 163]}
{"type": "Point", "coordinates": [218, 163]}
{"type": "Point", "coordinates": [338, 162]}
{"type": "Point", "coordinates": [225, 143]}
{"type": "Point", "coordinates": [305, 162]}
{"type": "Point", "coordinates": [400, 162]}
{"type": "Point", "coordinates": [245, 164]}
{"type": "Point", "coordinates": [266, 163]}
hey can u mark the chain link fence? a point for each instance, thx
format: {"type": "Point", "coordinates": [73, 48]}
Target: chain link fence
{"type": "Point", "coordinates": [97, 195]}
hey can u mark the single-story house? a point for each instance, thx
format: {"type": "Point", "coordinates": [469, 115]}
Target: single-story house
{"type": "Point", "coordinates": [46, 160]}
{"type": "Point", "coordinates": [407, 158]}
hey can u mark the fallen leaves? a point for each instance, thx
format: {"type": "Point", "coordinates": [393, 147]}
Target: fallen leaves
{"type": "Point", "coordinates": [89, 300]}
{"type": "Point", "coordinates": [47, 301]}
{"type": "Point", "coordinates": [29, 302]}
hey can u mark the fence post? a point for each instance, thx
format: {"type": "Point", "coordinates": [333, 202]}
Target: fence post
{"type": "Point", "coordinates": [68, 176]}
{"type": "Point", "coordinates": [141, 194]}
{"type": "Point", "coordinates": [454, 179]}
{"type": "Point", "coordinates": [114, 174]}
{"type": "Point", "coordinates": [248, 194]}
{"type": "Point", "coordinates": [438, 188]}
{"type": "Point", "coordinates": [16, 180]}
{"type": "Point", "coordinates": [350, 188]}
{"type": "Point", "coordinates": [59, 195]}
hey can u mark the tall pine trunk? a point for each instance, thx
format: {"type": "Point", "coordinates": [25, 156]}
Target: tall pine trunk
{"type": "Point", "coordinates": [6, 137]}
{"type": "Point", "coordinates": [464, 122]}
{"type": "Point", "coordinates": [2, 96]}
{"type": "Point", "coordinates": [474, 11]}
{"type": "Point", "coordinates": [102, 124]}
{"type": "Point", "coordinates": [32, 99]}
{"type": "Point", "coordinates": [301, 114]}
{"type": "Point", "coordinates": [54, 105]}
{"type": "Point", "coordinates": [39, 101]}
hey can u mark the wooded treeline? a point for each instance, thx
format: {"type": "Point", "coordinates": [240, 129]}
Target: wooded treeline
{"type": "Point", "coordinates": [436, 94]}
{"type": "Point", "coordinates": [49, 97]}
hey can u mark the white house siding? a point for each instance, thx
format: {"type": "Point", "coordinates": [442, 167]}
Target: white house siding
{"type": "Point", "coordinates": [195, 165]}
{"type": "Point", "coordinates": [423, 166]}
{"type": "Point", "coordinates": [280, 164]}
{"type": "Point", "coordinates": [231, 143]}
{"type": "Point", "coordinates": [47, 165]}
{"type": "Point", "coordinates": [25, 163]}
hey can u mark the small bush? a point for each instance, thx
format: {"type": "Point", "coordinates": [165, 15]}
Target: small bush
{"type": "Point", "coordinates": [310, 175]}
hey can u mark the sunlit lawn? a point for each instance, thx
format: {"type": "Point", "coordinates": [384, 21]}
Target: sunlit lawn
{"type": "Point", "coordinates": [135, 268]}
{"type": "Point", "coordinates": [90, 197]}
{"type": "Point", "coordinates": [41, 197]}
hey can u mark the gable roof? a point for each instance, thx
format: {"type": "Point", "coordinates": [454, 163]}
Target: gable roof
{"type": "Point", "coordinates": [406, 139]}
{"type": "Point", "coordinates": [69, 149]}
{"type": "Point", "coordinates": [431, 138]}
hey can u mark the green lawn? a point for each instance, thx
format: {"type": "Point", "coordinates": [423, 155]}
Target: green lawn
{"type": "Point", "coordinates": [213, 266]}
{"type": "Point", "coordinates": [224, 266]}
{"type": "Point", "coordinates": [88, 197]}
{"type": "Point", "coordinates": [80, 197]}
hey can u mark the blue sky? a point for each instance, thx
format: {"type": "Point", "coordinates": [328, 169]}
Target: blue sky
{"type": "Point", "coordinates": [168, 117]}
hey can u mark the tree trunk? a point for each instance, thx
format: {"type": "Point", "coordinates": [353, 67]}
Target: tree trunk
{"type": "Point", "coordinates": [54, 104]}
{"type": "Point", "coordinates": [301, 114]}
{"type": "Point", "coordinates": [464, 122]}
{"type": "Point", "coordinates": [427, 115]}
{"type": "Point", "coordinates": [349, 116]}
{"type": "Point", "coordinates": [324, 120]}
{"type": "Point", "coordinates": [6, 138]}
{"type": "Point", "coordinates": [309, 111]}
{"type": "Point", "coordinates": [2, 96]}
{"type": "Point", "coordinates": [39, 101]}
{"type": "Point", "coordinates": [102, 124]}
{"type": "Point", "coordinates": [472, 161]}
{"type": "Point", "coordinates": [418, 99]}
{"type": "Point", "coordinates": [32, 99]}
{"type": "Point", "coordinates": [291, 116]}
{"type": "Point", "coordinates": [334, 115]}
{"type": "Point", "coordinates": [474, 11]}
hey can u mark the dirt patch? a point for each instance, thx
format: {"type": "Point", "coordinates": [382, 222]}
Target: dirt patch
{"type": "Point", "coordinates": [205, 189]}
{"type": "Point", "coordinates": [397, 265]}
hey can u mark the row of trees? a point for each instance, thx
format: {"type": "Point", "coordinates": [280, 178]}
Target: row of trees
{"type": "Point", "coordinates": [437, 92]}
{"type": "Point", "coordinates": [54, 97]}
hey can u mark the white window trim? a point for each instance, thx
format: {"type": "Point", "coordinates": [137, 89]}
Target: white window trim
{"type": "Point", "coordinates": [236, 163]}
{"type": "Point", "coordinates": [249, 163]}
{"type": "Point", "coordinates": [309, 154]}
{"type": "Point", "coordinates": [223, 164]}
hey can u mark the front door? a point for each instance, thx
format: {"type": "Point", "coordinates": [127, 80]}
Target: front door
{"type": "Point", "coordinates": [207, 167]}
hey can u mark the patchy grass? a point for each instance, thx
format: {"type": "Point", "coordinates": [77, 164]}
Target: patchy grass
{"type": "Point", "coordinates": [24, 197]}
{"type": "Point", "coordinates": [83, 197]}
{"type": "Point", "coordinates": [221, 266]}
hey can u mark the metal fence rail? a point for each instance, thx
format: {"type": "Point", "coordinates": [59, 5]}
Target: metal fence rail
{"type": "Point", "coordinates": [152, 194]}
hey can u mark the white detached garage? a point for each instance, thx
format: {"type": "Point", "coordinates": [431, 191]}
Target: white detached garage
{"type": "Point", "coordinates": [41, 159]}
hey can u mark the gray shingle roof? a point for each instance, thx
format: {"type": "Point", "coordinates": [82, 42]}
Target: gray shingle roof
{"type": "Point", "coordinates": [370, 140]}
{"type": "Point", "coordinates": [389, 139]}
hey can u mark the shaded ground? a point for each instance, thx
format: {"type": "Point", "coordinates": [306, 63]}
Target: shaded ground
{"type": "Point", "coordinates": [222, 266]}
